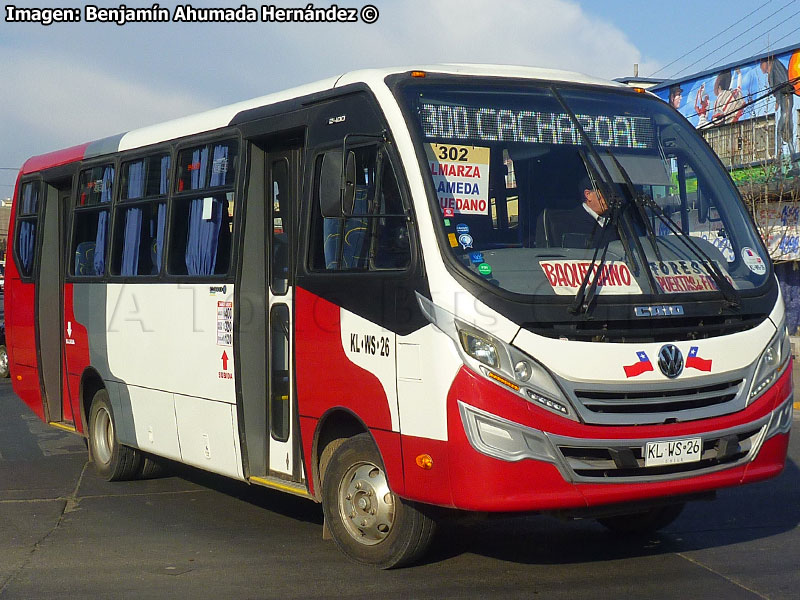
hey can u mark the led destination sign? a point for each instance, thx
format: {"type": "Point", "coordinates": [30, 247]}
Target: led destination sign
{"type": "Point", "coordinates": [490, 124]}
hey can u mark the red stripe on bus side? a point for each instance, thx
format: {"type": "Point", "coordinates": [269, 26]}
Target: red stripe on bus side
{"type": "Point", "coordinates": [54, 159]}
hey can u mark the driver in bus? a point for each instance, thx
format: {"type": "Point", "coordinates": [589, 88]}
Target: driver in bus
{"type": "Point", "coordinates": [579, 227]}
{"type": "Point", "coordinates": [591, 217]}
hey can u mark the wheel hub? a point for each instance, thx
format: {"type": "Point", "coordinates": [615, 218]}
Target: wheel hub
{"type": "Point", "coordinates": [103, 434]}
{"type": "Point", "coordinates": [366, 503]}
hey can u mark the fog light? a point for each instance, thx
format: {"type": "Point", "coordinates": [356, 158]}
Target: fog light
{"type": "Point", "coordinates": [522, 370]}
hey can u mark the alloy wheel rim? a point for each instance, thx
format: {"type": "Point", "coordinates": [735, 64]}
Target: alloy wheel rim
{"type": "Point", "coordinates": [366, 504]}
{"type": "Point", "coordinates": [103, 436]}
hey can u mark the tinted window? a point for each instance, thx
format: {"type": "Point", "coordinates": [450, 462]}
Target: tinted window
{"type": "Point", "coordinates": [375, 237]}
{"type": "Point", "coordinates": [207, 166]}
{"type": "Point", "coordinates": [95, 185]}
{"type": "Point", "coordinates": [200, 234]}
{"type": "Point", "coordinates": [27, 222]}
{"type": "Point", "coordinates": [280, 218]}
{"type": "Point", "coordinates": [146, 177]}
{"type": "Point", "coordinates": [140, 218]}
{"type": "Point", "coordinates": [90, 221]}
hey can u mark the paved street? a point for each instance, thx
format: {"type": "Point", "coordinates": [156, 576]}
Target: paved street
{"type": "Point", "coordinates": [66, 533]}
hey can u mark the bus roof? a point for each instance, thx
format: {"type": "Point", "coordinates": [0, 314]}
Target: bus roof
{"type": "Point", "coordinates": [222, 117]}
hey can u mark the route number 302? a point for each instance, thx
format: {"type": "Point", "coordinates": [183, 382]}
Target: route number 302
{"type": "Point", "coordinates": [454, 153]}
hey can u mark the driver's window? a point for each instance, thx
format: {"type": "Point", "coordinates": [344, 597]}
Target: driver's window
{"type": "Point", "coordinates": [375, 237]}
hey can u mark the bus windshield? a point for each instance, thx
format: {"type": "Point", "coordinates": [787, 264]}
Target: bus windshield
{"type": "Point", "coordinates": [537, 185]}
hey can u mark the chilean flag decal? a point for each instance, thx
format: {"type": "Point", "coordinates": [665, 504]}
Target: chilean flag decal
{"type": "Point", "coordinates": [641, 366]}
{"type": "Point", "coordinates": [695, 362]}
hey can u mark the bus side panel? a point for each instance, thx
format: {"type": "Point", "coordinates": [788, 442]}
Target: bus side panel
{"type": "Point", "coordinates": [326, 377]}
{"type": "Point", "coordinates": [20, 319]}
{"type": "Point", "coordinates": [76, 355]}
{"type": "Point", "coordinates": [21, 323]}
{"type": "Point", "coordinates": [427, 364]}
{"type": "Point", "coordinates": [21, 343]}
{"type": "Point", "coordinates": [308, 427]}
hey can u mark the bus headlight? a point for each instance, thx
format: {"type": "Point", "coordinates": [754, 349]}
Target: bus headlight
{"type": "Point", "coordinates": [499, 362]}
{"type": "Point", "coordinates": [479, 348]}
{"type": "Point", "coordinates": [772, 361]}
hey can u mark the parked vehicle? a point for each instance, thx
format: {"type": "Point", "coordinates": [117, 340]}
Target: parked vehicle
{"type": "Point", "coordinates": [4, 370]}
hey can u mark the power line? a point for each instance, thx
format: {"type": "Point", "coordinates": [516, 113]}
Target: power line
{"type": "Point", "coordinates": [782, 37]}
{"type": "Point", "coordinates": [711, 38]}
{"type": "Point", "coordinates": [754, 39]}
{"type": "Point", "coordinates": [769, 16]}
{"type": "Point", "coordinates": [9, 168]}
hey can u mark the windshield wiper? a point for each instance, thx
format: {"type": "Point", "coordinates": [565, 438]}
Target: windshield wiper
{"type": "Point", "coordinates": [642, 201]}
{"type": "Point", "coordinates": [729, 293]}
{"type": "Point", "coordinates": [582, 299]}
{"type": "Point", "coordinates": [651, 235]}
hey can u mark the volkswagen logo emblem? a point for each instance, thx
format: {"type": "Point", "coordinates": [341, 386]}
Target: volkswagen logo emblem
{"type": "Point", "coordinates": [670, 361]}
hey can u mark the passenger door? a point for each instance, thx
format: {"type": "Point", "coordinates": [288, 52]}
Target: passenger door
{"type": "Point", "coordinates": [264, 314]}
{"type": "Point", "coordinates": [282, 191]}
{"type": "Point", "coordinates": [49, 316]}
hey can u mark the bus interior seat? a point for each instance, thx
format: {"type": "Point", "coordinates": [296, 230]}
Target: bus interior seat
{"type": "Point", "coordinates": [550, 227]}
{"type": "Point", "coordinates": [354, 239]}
{"type": "Point", "coordinates": [154, 266]}
{"type": "Point", "coordinates": [84, 258]}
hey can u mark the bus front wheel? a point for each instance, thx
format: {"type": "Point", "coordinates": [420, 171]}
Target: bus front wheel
{"type": "Point", "coordinates": [112, 460]}
{"type": "Point", "coordinates": [366, 520]}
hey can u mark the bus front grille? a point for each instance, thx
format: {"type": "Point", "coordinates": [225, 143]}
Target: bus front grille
{"type": "Point", "coordinates": [673, 401]}
{"type": "Point", "coordinates": [610, 460]}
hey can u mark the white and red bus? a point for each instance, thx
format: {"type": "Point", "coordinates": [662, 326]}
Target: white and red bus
{"type": "Point", "coordinates": [381, 292]}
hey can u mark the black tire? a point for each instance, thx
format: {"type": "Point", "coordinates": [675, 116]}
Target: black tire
{"type": "Point", "coordinates": [151, 468]}
{"type": "Point", "coordinates": [367, 521]}
{"type": "Point", "coordinates": [645, 522]}
{"type": "Point", "coordinates": [112, 460]}
{"type": "Point", "coordinates": [4, 369]}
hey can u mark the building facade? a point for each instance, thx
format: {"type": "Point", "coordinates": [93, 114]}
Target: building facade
{"type": "Point", "coordinates": [749, 113]}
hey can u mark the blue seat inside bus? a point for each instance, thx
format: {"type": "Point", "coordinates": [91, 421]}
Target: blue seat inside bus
{"type": "Point", "coordinates": [84, 259]}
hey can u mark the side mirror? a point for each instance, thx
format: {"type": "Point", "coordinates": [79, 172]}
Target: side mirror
{"type": "Point", "coordinates": [330, 184]}
{"type": "Point", "coordinates": [337, 185]}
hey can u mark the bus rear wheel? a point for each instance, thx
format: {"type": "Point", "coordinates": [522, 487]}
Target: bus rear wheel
{"type": "Point", "coordinates": [645, 522]}
{"type": "Point", "coordinates": [366, 520]}
{"type": "Point", "coordinates": [112, 460]}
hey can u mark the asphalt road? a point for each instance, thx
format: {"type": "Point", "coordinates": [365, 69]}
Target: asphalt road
{"type": "Point", "coordinates": [66, 533]}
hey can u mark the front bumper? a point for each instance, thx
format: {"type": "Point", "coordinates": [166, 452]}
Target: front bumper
{"type": "Point", "coordinates": [531, 460]}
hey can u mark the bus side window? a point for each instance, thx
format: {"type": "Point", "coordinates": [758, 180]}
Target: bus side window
{"type": "Point", "coordinates": [27, 221]}
{"type": "Point", "coordinates": [91, 216]}
{"type": "Point", "coordinates": [140, 217]}
{"type": "Point", "coordinates": [201, 230]}
{"type": "Point", "coordinates": [368, 240]}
